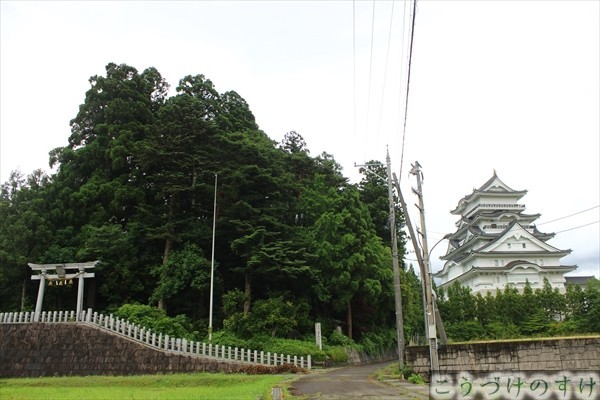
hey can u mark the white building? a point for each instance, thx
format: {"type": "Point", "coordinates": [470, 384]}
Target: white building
{"type": "Point", "coordinates": [496, 244]}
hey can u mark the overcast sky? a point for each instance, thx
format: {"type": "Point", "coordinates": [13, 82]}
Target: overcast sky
{"type": "Point", "coordinates": [511, 86]}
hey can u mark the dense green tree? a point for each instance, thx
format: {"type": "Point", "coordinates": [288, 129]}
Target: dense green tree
{"type": "Point", "coordinates": [482, 309]}
{"type": "Point", "coordinates": [179, 173]}
{"type": "Point", "coordinates": [412, 305]}
{"type": "Point", "coordinates": [550, 300]}
{"type": "Point", "coordinates": [590, 320]}
{"type": "Point", "coordinates": [186, 269]}
{"type": "Point", "coordinates": [256, 196]}
{"type": "Point", "coordinates": [25, 233]}
{"type": "Point", "coordinates": [374, 193]}
{"type": "Point", "coordinates": [459, 306]}
{"type": "Point", "coordinates": [350, 258]}
{"type": "Point", "coordinates": [99, 183]}
{"type": "Point", "coordinates": [575, 303]}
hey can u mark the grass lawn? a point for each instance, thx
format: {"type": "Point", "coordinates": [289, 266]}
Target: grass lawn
{"type": "Point", "coordinates": [178, 386]}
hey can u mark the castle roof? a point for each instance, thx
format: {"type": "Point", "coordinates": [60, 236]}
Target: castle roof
{"type": "Point", "coordinates": [492, 186]}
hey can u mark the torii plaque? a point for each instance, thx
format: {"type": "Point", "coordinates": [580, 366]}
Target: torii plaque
{"type": "Point", "coordinates": [60, 274]}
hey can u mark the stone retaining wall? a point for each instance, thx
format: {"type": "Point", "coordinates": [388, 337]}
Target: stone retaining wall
{"type": "Point", "coordinates": [576, 354]}
{"type": "Point", "coordinates": [47, 349]}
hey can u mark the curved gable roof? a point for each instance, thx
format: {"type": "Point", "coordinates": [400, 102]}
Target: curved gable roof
{"type": "Point", "coordinates": [493, 185]}
{"type": "Point", "coordinates": [516, 229]}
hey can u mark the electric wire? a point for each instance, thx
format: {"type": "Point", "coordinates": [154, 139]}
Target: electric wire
{"type": "Point", "coordinates": [400, 87]}
{"type": "Point", "coordinates": [547, 222]}
{"type": "Point", "coordinates": [387, 56]}
{"type": "Point", "coordinates": [370, 73]}
{"type": "Point", "coordinates": [354, 69]}
{"type": "Point", "coordinates": [577, 227]}
{"type": "Point", "coordinates": [567, 216]}
{"type": "Point", "coordinates": [410, 52]}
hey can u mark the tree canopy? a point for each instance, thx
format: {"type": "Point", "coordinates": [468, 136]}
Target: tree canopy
{"type": "Point", "coordinates": [134, 187]}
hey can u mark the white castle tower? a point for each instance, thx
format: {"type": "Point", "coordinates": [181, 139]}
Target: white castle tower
{"type": "Point", "coordinates": [496, 244]}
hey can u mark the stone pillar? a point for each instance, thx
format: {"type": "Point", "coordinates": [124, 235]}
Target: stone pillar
{"type": "Point", "coordinates": [40, 297]}
{"type": "Point", "coordinates": [80, 293]}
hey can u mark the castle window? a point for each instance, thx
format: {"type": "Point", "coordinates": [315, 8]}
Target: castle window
{"type": "Point", "coordinates": [524, 245]}
{"type": "Point", "coordinates": [496, 263]}
{"type": "Point", "coordinates": [508, 245]}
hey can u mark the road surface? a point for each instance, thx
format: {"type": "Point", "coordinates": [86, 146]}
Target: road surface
{"type": "Point", "coordinates": [355, 383]}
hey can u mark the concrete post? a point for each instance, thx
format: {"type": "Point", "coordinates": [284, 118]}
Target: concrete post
{"type": "Point", "coordinates": [40, 297]}
{"type": "Point", "coordinates": [80, 293]}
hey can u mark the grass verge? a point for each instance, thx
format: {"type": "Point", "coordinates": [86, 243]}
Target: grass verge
{"type": "Point", "coordinates": [144, 387]}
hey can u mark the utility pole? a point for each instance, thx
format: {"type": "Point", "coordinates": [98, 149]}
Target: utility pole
{"type": "Point", "coordinates": [430, 328]}
{"type": "Point", "coordinates": [395, 266]}
{"type": "Point", "coordinates": [426, 278]}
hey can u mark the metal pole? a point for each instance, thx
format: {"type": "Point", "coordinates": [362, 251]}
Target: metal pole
{"type": "Point", "coordinates": [395, 266]}
{"type": "Point", "coordinates": [212, 265]}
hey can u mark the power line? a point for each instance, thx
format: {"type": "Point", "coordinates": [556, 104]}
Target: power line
{"type": "Point", "coordinates": [410, 51]}
{"type": "Point", "coordinates": [567, 216]}
{"type": "Point", "coordinates": [577, 227]}
{"type": "Point", "coordinates": [400, 91]}
{"type": "Point", "coordinates": [387, 55]}
{"type": "Point", "coordinates": [354, 68]}
{"type": "Point", "coordinates": [370, 70]}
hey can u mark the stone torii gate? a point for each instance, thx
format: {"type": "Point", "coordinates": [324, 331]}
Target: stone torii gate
{"type": "Point", "coordinates": [60, 273]}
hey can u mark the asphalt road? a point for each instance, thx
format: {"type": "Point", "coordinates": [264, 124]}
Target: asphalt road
{"type": "Point", "coordinates": [354, 383]}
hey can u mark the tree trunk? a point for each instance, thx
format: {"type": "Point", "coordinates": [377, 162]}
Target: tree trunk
{"type": "Point", "coordinates": [248, 293]}
{"type": "Point", "coordinates": [24, 293]}
{"type": "Point", "coordinates": [349, 318]}
{"type": "Point", "coordinates": [90, 291]}
{"type": "Point", "coordinates": [194, 177]}
{"type": "Point", "coordinates": [168, 243]}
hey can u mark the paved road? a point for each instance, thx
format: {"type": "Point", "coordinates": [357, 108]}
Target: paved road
{"type": "Point", "coordinates": [353, 383]}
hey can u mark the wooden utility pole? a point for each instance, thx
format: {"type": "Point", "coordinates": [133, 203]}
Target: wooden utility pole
{"type": "Point", "coordinates": [430, 328]}
{"type": "Point", "coordinates": [395, 266]}
{"type": "Point", "coordinates": [426, 278]}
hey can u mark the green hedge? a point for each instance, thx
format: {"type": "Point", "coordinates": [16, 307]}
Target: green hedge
{"type": "Point", "coordinates": [300, 348]}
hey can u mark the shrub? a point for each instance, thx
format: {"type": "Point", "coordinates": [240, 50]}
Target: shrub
{"type": "Point", "coordinates": [279, 369]}
{"type": "Point", "coordinates": [338, 339]}
{"type": "Point", "coordinates": [416, 379]}
{"type": "Point", "coordinates": [465, 331]}
{"type": "Point", "coordinates": [157, 320]}
{"type": "Point", "coordinates": [275, 316]}
{"type": "Point", "coordinates": [375, 343]}
{"type": "Point", "coordinates": [266, 343]}
{"type": "Point", "coordinates": [407, 371]}
{"type": "Point", "coordinates": [499, 330]}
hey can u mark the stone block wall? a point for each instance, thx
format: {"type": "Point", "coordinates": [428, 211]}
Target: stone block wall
{"type": "Point", "coordinates": [47, 349]}
{"type": "Point", "coordinates": [576, 354]}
